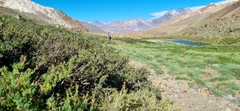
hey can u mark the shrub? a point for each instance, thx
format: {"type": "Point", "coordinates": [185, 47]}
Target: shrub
{"type": "Point", "coordinates": [47, 68]}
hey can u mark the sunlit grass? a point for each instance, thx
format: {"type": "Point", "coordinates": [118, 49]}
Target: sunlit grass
{"type": "Point", "coordinates": [227, 87]}
{"type": "Point", "coordinates": [221, 78]}
{"type": "Point", "coordinates": [229, 69]}
{"type": "Point", "coordinates": [188, 60]}
{"type": "Point", "coordinates": [211, 60]}
{"type": "Point", "coordinates": [181, 78]}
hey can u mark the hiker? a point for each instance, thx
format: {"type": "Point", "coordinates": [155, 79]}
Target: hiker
{"type": "Point", "coordinates": [109, 36]}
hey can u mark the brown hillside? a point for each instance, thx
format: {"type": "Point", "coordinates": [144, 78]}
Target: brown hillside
{"type": "Point", "coordinates": [229, 10]}
{"type": "Point", "coordinates": [75, 25]}
{"type": "Point", "coordinates": [45, 15]}
{"type": "Point", "coordinates": [192, 19]}
{"type": "Point", "coordinates": [222, 24]}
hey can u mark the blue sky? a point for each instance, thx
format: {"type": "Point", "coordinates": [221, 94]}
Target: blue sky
{"type": "Point", "coordinates": [114, 10]}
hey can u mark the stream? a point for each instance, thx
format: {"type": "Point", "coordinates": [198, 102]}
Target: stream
{"type": "Point", "coordinates": [178, 41]}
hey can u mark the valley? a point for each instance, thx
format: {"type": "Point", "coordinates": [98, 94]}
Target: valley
{"type": "Point", "coordinates": [184, 60]}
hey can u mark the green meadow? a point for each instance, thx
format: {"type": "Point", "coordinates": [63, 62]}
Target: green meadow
{"type": "Point", "coordinates": [215, 67]}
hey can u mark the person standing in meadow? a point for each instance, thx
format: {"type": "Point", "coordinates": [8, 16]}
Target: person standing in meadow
{"type": "Point", "coordinates": [109, 36]}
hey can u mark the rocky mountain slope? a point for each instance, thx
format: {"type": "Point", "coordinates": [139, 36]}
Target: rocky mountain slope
{"type": "Point", "coordinates": [98, 24]}
{"type": "Point", "coordinates": [197, 18]}
{"type": "Point", "coordinates": [126, 26]}
{"type": "Point", "coordinates": [137, 25]}
{"type": "Point", "coordinates": [92, 28]}
{"type": "Point", "coordinates": [170, 14]}
{"type": "Point", "coordinates": [47, 14]}
{"type": "Point", "coordinates": [222, 24]}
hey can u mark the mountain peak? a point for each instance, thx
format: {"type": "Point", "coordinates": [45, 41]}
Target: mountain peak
{"type": "Point", "coordinates": [97, 23]}
{"type": "Point", "coordinates": [125, 26]}
{"type": "Point", "coordinates": [179, 11]}
{"type": "Point", "coordinates": [171, 14]}
{"type": "Point", "coordinates": [26, 6]}
{"type": "Point", "coordinates": [42, 13]}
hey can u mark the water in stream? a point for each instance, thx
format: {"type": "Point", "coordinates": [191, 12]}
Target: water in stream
{"type": "Point", "coordinates": [178, 41]}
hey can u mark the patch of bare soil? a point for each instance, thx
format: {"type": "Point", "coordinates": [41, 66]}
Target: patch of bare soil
{"type": "Point", "coordinates": [194, 98]}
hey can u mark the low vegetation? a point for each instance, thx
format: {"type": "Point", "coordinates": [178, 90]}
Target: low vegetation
{"type": "Point", "coordinates": [215, 67]}
{"type": "Point", "coordinates": [47, 68]}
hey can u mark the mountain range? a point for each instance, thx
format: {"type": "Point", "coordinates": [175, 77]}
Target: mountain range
{"type": "Point", "coordinates": [216, 18]}
{"type": "Point", "coordinates": [49, 15]}
{"type": "Point", "coordinates": [198, 20]}
{"type": "Point", "coordinates": [138, 25]}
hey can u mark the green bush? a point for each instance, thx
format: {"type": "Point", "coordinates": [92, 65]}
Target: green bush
{"type": "Point", "coordinates": [47, 68]}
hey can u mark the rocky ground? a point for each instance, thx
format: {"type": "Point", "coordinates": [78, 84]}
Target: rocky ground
{"type": "Point", "coordinates": [194, 98]}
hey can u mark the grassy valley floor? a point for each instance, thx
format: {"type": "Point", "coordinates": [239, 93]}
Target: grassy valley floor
{"type": "Point", "coordinates": [214, 68]}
